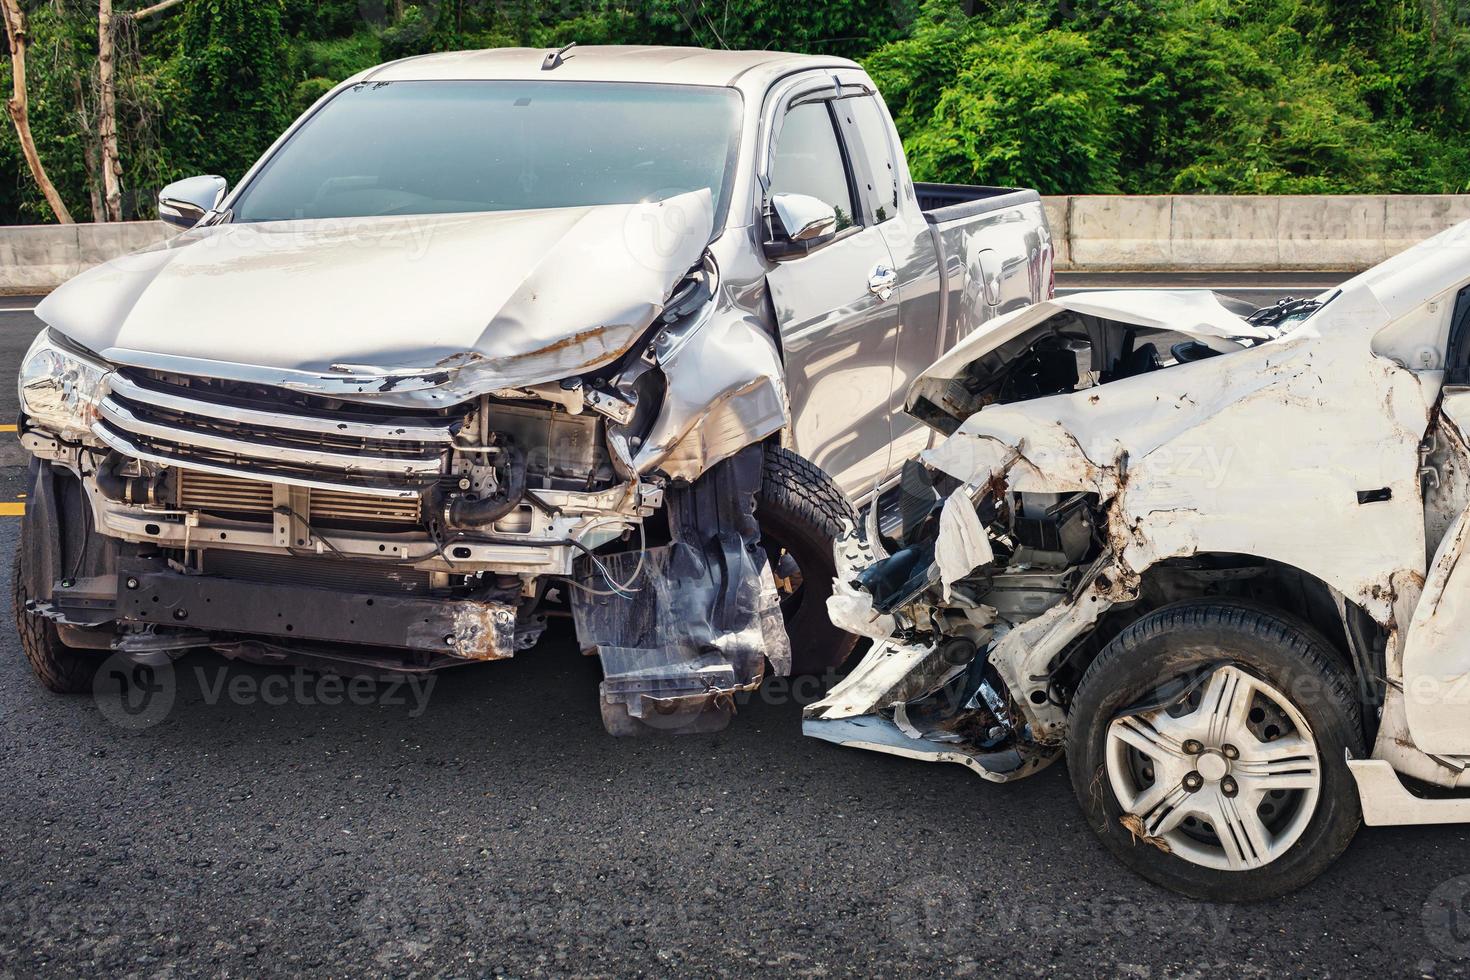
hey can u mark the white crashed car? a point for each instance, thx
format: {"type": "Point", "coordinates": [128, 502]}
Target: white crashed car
{"type": "Point", "coordinates": [1211, 554]}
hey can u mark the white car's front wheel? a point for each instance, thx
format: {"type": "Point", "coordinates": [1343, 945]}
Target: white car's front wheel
{"type": "Point", "coordinates": [1206, 745]}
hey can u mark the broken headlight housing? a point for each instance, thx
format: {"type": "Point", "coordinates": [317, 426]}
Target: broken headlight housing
{"type": "Point", "coordinates": [60, 389]}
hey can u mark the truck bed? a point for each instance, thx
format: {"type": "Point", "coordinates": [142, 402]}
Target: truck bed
{"type": "Point", "coordinates": [949, 202]}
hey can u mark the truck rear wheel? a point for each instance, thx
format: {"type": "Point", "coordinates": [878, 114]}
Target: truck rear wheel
{"type": "Point", "coordinates": [1206, 746]}
{"type": "Point", "coordinates": [801, 513]}
{"type": "Point", "coordinates": [56, 665]}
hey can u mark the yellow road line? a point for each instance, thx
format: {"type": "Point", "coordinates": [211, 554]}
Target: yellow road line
{"type": "Point", "coordinates": [9, 509]}
{"type": "Point", "coordinates": [7, 428]}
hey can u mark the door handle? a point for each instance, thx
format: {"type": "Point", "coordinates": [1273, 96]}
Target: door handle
{"type": "Point", "coordinates": [881, 281]}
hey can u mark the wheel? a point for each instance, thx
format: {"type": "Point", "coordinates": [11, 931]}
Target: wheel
{"type": "Point", "coordinates": [56, 665]}
{"type": "Point", "coordinates": [801, 513]}
{"type": "Point", "coordinates": [1206, 745]}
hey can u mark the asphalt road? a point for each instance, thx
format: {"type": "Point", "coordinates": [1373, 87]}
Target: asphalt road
{"type": "Point", "coordinates": [241, 821]}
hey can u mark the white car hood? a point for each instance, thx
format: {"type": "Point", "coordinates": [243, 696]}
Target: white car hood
{"type": "Point", "coordinates": [1197, 313]}
{"type": "Point", "coordinates": [454, 303]}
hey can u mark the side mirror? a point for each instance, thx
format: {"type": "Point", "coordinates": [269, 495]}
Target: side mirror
{"type": "Point", "coordinates": [184, 202]}
{"type": "Point", "coordinates": [799, 224]}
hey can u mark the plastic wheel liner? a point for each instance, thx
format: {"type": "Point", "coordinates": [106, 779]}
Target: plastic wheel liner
{"type": "Point", "coordinates": [684, 627]}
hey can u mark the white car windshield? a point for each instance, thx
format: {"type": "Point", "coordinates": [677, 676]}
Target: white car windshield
{"type": "Point", "coordinates": [444, 147]}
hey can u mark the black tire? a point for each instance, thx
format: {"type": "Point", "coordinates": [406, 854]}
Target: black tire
{"type": "Point", "coordinates": [802, 512]}
{"type": "Point", "coordinates": [1283, 651]}
{"type": "Point", "coordinates": [58, 667]}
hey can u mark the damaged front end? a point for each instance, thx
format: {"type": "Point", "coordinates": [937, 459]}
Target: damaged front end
{"type": "Point", "coordinates": [975, 568]}
{"type": "Point", "coordinates": [371, 517]}
{"type": "Point", "coordinates": [1108, 454]}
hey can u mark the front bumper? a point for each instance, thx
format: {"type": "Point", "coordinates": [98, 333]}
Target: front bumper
{"type": "Point", "coordinates": [465, 629]}
{"type": "Point", "coordinates": [147, 606]}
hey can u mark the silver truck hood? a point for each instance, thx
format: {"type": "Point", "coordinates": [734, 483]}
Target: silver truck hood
{"type": "Point", "coordinates": [427, 308]}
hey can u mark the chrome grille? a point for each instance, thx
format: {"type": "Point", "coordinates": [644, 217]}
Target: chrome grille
{"type": "Point", "coordinates": [330, 449]}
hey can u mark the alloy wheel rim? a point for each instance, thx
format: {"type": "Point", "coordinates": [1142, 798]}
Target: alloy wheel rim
{"type": "Point", "coordinates": [1228, 779]}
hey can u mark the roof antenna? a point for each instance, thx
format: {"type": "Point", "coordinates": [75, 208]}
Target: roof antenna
{"type": "Point", "coordinates": [554, 59]}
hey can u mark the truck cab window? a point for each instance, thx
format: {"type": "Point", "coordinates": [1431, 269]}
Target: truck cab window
{"type": "Point", "coordinates": [808, 160]}
{"type": "Point", "coordinates": [877, 152]}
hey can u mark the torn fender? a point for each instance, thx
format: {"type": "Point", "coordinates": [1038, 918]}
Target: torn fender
{"type": "Point", "coordinates": [725, 390]}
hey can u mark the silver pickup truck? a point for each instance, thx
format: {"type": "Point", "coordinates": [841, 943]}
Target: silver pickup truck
{"type": "Point", "coordinates": [496, 335]}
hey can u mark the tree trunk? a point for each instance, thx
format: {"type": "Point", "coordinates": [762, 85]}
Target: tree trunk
{"type": "Point", "coordinates": [18, 107]}
{"type": "Point", "coordinates": [90, 152]}
{"type": "Point", "coordinates": [107, 113]}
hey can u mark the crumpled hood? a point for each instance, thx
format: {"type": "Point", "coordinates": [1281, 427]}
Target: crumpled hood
{"type": "Point", "coordinates": [453, 304]}
{"type": "Point", "coordinates": [1196, 313]}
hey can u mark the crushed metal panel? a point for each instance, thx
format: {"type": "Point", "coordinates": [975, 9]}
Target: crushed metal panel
{"type": "Point", "coordinates": [503, 313]}
{"type": "Point", "coordinates": [883, 735]}
{"type": "Point", "coordinates": [1199, 457]}
{"type": "Point", "coordinates": [963, 545]}
{"type": "Point", "coordinates": [726, 390]}
{"type": "Point", "coordinates": [1436, 657]}
{"type": "Point", "coordinates": [890, 672]}
{"type": "Point", "coordinates": [1192, 313]}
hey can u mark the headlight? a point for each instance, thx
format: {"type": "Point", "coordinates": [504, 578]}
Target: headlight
{"type": "Point", "coordinates": [60, 390]}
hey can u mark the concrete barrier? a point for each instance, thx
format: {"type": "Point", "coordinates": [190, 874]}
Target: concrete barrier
{"type": "Point", "coordinates": [1213, 233]}
{"type": "Point", "coordinates": [1105, 233]}
{"type": "Point", "coordinates": [38, 258]}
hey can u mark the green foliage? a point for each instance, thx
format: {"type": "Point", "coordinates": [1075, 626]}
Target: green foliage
{"type": "Point", "coordinates": [323, 19]}
{"type": "Point", "coordinates": [1020, 104]}
{"type": "Point", "coordinates": [232, 62]}
{"type": "Point", "coordinates": [1077, 96]}
{"type": "Point", "coordinates": [1188, 96]}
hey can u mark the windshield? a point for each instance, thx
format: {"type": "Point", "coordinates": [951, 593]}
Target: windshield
{"type": "Point", "coordinates": [405, 148]}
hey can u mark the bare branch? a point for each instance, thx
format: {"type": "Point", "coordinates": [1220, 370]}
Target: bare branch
{"type": "Point", "coordinates": [157, 8]}
{"type": "Point", "coordinates": [19, 107]}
